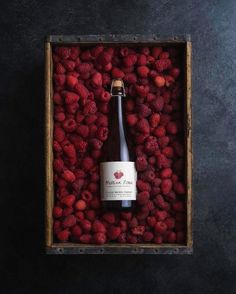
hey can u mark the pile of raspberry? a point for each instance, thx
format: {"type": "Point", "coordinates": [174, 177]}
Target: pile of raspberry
{"type": "Point", "coordinates": [154, 113]}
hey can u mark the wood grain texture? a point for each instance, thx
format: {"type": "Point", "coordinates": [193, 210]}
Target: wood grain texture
{"type": "Point", "coordinates": [112, 248]}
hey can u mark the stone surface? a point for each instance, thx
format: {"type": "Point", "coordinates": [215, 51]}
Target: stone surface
{"type": "Point", "coordinates": [23, 265]}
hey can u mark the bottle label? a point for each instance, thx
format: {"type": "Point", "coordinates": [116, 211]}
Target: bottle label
{"type": "Point", "coordinates": [118, 180]}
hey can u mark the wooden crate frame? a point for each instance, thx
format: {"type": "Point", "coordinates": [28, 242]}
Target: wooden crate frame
{"type": "Point", "coordinates": [115, 40]}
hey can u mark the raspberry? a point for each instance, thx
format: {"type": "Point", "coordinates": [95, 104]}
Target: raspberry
{"type": "Point", "coordinates": [143, 126]}
{"type": "Point", "coordinates": [86, 55]}
{"type": "Point", "coordinates": [59, 68]}
{"type": "Point", "coordinates": [160, 227]}
{"type": "Point", "coordinates": [96, 144]}
{"type": "Point", "coordinates": [59, 134]}
{"type": "Point", "coordinates": [97, 80]}
{"type": "Point", "coordinates": [142, 90]}
{"type": "Point", "coordinates": [133, 222]}
{"type": "Point", "coordinates": [78, 184]}
{"type": "Point", "coordinates": [69, 150]}
{"type": "Point", "coordinates": [109, 217]}
{"type": "Point", "coordinates": [104, 58]}
{"type": "Point", "coordinates": [59, 80]}
{"type": "Point", "coordinates": [132, 119]}
{"type": "Point", "coordinates": [151, 146]}
{"type": "Point", "coordinates": [76, 232]}
{"type": "Point", "coordinates": [147, 176]}
{"type": "Point", "coordinates": [162, 64]}
{"type": "Point", "coordinates": [143, 197]}
{"type": "Point", "coordinates": [90, 108]}
{"type": "Point", "coordinates": [166, 186]}
{"type": "Point", "coordinates": [126, 215]}
{"type": "Point", "coordinates": [129, 105]}
{"type": "Point", "coordinates": [170, 222]}
{"type": "Point", "coordinates": [86, 195]}
{"type": "Point", "coordinates": [174, 72]}
{"type": "Point", "coordinates": [79, 215]}
{"type": "Point", "coordinates": [63, 52]}
{"type": "Point", "coordinates": [84, 67]}
{"type": "Point", "coordinates": [102, 133]}
{"type": "Point", "coordinates": [171, 237]}
{"type": "Point", "coordinates": [154, 120]}
{"type": "Point", "coordinates": [122, 238]}
{"type": "Point", "coordinates": [141, 163]}
{"type": "Point", "coordinates": [90, 214]}
{"type": "Point", "coordinates": [158, 104]}
{"type": "Point", "coordinates": [85, 238]}
{"type": "Point", "coordinates": [130, 78]}
{"type": "Point", "coordinates": [85, 225]}
{"type": "Point", "coordinates": [179, 206]}
{"type": "Point", "coordinates": [57, 99]}
{"type": "Point", "coordinates": [172, 128]}
{"type": "Point", "coordinates": [69, 125]}
{"type": "Point", "coordinates": [130, 60]}
{"type": "Point", "coordinates": [102, 121]}
{"type": "Point", "coordinates": [123, 225]}
{"type": "Point", "coordinates": [80, 205]}
{"type": "Point", "coordinates": [81, 146]}
{"type": "Point", "coordinates": [117, 73]}
{"type": "Point", "coordinates": [158, 239]}
{"type": "Point", "coordinates": [68, 64]}
{"type": "Point", "coordinates": [69, 221]}
{"type": "Point", "coordinates": [70, 97]}
{"type": "Point", "coordinates": [83, 130]}
{"type": "Point", "coordinates": [99, 238]}
{"type": "Point", "coordinates": [57, 212]}
{"type": "Point", "coordinates": [179, 188]}
{"type": "Point", "coordinates": [56, 226]}
{"type": "Point", "coordinates": [143, 186]}
{"type": "Point", "coordinates": [166, 173]}
{"type": "Point", "coordinates": [138, 231]}
{"type": "Point", "coordinates": [61, 183]}
{"type": "Point", "coordinates": [156, 51]}
{"type": "Point", "coordinates": [63, 236]}
{"type": "Point", "coordinates": [58, 164]}
{"type": "Point", "coordinates": [143, 214]}
{"type": "Point", "coordinates": [143, 110]}
{"type": "Point", "coordinates": [98, 227]}
{"type": "Point", "coordinates": [161, 215]}
{"type": "Point", "coordinates": [105, 96]}
{"type": "Point", "coordinates": [159, 81]}
{"type": "Point", "coordinates": [103, 107]}
{"type": "Point", "coordinates": [143, 71]}
{"type": "Point", "coordinates": [113, 232]}
{"type": "Point", "coordinates": [68, 200]}
{"type": "Point", "coordinates": [148, 236]}
{"type": "Point", "coordinates": [87, 163]}
{"type": "Point", "coordinates": [68, 176]}
{"type": "Point", "coordinates": [151, 220]}
{"type": "Point", "coordinates": [159, 132]}
{"type": "Point", "coordinates": [60, 116]}
{"type": "Point", "coordinates": [169, 81]}
{"type": "Point", "coordinates": [164, 55]}
{"type": "Point", "coordinates": [163, 141]}
{"type": "Point", "coordinates": [81, 90]}
{"type": "Point", "coordinates": [168, 152]}
{"type": "Point", "coordinates": [92, 130]}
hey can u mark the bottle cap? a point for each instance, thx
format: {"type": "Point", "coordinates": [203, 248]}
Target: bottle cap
{"type": "Point", "coordinates": [118, 83]}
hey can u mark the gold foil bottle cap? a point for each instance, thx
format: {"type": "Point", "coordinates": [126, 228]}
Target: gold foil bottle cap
{"type": "Point", "coordinates": [118, 83]}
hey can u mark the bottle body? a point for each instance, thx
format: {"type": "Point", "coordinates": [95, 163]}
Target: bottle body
{"type": "Point", "coordinates": [117, 169]}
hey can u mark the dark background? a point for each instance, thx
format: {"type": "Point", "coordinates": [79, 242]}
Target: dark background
{"type": "Point", "coordinates": [24, 267]}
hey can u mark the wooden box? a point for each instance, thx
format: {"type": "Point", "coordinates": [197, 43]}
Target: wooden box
{"type": "Point", "coordinates": [184, 44]}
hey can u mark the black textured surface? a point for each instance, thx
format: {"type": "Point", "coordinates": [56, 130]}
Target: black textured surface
{"type": "Point", "coordinates": [24, 268]}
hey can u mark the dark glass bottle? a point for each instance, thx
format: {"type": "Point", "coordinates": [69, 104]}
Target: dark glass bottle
{"type": "Point", "coordinates": [117, 170]}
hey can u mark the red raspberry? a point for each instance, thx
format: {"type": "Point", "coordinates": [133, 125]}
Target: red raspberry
{"type": "Point", "coordinates": [126, 215]}
{"type": "Point", "coordinates": [163, 162]}
{"type": "Point", "coordinates": [68, 200]}
{"type": "Point", "coordinates": [74, 52]}
{"type": "Point", "coordinates": [142, 59]}
{"type": "Point", "coordinates": [172, 128]}
{"type": "Point", "coordinates": [60, 116]}
{"type": "Point", "coordinates": [124, 51]}
{"type": "Point", "coordinates": [179, 188]}
{"type": "Point", "coordinates": [143, 186]}
{"type": "Point", "coordinates": [84, 67]}
{"type": "Point", "coordinates": [133, 222]}
{"type": "Point", "coordinates": [58, 164]}
{"type": "Point", "coordinates": [87, 163]}
{"type": "Point", "coordinates": [143, 71]}
{"type": "Point", "coordinates": [102, 133]}
{"type": "Point", "coordinates": [90, 214]}
{"type": "Point", "coordinates": [104, 58]}
{"type": "Point", "coordinates": [109, 217]}
{"type": "Point", "coordinates": [85, 225]}
{"type": "Point", "coordinates": [169, 81]}
{"type": "Point", "coordinates": [163, 141]}
{"type": "Point", "coordinates": [154, 120]}
{"type": "Point", "coordinates": [63, 52]}
{"type": "Point", "coordinates": [148, 236]}
{"type": "Point", "coordinates": [61, 183]}
{"type": "Point", "coordinates": [93, 187]}
{"type": "Point", "coordinates": [69, 150]}
{"type": "Point", "coordinates": [86, 55]}
{"type": "Point", "coordinates": [123, 225]}
{"type": "Point", "coordinates": [96, 144]}
{"type": "Point", "coordinates": [129, 105]}
{"type": "Point", "coordinates": [158, 240]}
{"type": "Point", "coordinates": [90, 108]}
{"type": "Point", "coordinates": [166, 173]}
{"type": "Point", "coordinates": [160, 227]}
{"type": "Point", "coordinates": [105, 96]}
{"type": "Point", "coordinates": [122, 238]}
{"type": "Point", "coordinates": [141, 163]}
{"type": "Point", "coordinates": [142, 90]}
{"type": "Point", "coordinates": [86, 195]}
{"type": "Point", "coordinates": [68, 176]}
{"type": "Point", "coordinates": [79, 215]}
{"type": "Point", "coordinates": [56, 226]}
{"type": "Point", "coordinates": [151, 220]}
{"type": "Point", "coordinates": [171, 237]}
{"type": "Point", "coordinates": [161, 215]}
{"type": "Point", "coordinates": [57, 99]}
{"type": "Point", "coordinates": [143, 197]}
{"type": "Point", "coordinates": [162, 64]}
{"type": "Point", "coordinates": [68, 64]}
{"type": "Point", "coordinates": [102, 120]}
{"type": "Point", "coordinates": [158, 104]}
{"type": "Point", "coordinates": [59, 80]}
{"type": "Point", "coordinates": [132, 119]}
{"type": "Point", "coordinates": [79, 117]}
{"type": "Point", "coordinates": [143, 214]}
{"type": "Point", "coordinates": [85, 239]}
{"type": "Point", "coordinates": [99, 238]}
{"type": "Point", "coordinates": [113, 232]}
{"type": "Point", "coordinates": [76, 232]}
{"type": "Point", "coordinates": [59, 68]}
{"type": "Point", "coordinates": [69, 221]}
{"type": "Point", "coordinates": [130, 78]}
{"type": "Point", "coordinates": [156, 51]}
{"type": "Point", "coordinates": [168, 152]}
{"type": "Point", "coordinates": [96, 80]}
{"type": "Point", "coordinates": [78, 184]}
{"type": "Point", "coordinates": [117, 73]}
{"type": "Point", "coordinates": [80, 205]}
{"type": "Point", "coordinates": [143, 110]}
{"type": "Point", "coordinates": [57, 211]}
{"type": "Point", "coordinates": [132, 239]}
{"type": "Point", "coordinates": [174, 72]}
{"type": "Point", "coordinates": [170, 222]}
{"type": "Point", "coordinates": [138, 231]}
{"type": "Point", "coordinates": [70, 97]}
{"type": "Point", "coordinates": [143, 126]}
{"type": "Point", "coordinates": [83, 130]}
{"type": "Point", "coordinates": [81, 90]}
{"type": "Point", "coordinates": [59, 134]}
{"type": "Point", "coordinates": [179, 206]}
{"type": "Point", "coordinates": [98, 227]}
{"type": "Point", "coordinates": [159, 131]}
{"type": "Point", "coordinates": [69, 125]}
{"type": "Point", "coordinates": [166, 186]}
{"type": "Point", "coordinates": [159, 81]}
{"type": "Point", "coordinates": [63, 236]}
{"type": "Point", "coordinates": [151, 146]}
{"type": "Point", "coordinates": [130, 60]}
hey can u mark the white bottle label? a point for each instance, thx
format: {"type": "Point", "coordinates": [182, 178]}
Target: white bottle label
{"type": "Point", "coordinates": [118, 180]}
